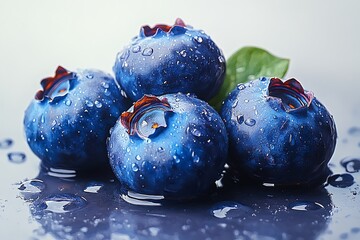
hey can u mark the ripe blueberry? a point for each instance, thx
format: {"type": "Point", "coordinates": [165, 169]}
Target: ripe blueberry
{"type": "Point", "coordinates": [170, 59]}
{"type": "Point", "coordinates": [67, 123]}
{"type": "Point", "coordinates": [174, 145]}
{"type": "Point", "coordinates": [278, 133]}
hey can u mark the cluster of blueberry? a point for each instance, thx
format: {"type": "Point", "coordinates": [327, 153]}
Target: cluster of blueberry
{"type": "Point", "coordinates": [171, 142]}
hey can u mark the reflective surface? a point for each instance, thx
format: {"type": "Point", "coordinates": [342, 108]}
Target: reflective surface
{"type": "Point", "coordinates": [321, 39]}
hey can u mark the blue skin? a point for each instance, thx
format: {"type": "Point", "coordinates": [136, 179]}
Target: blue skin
{"type": "Point", "coordinates": [179, 161]}
{"type": "Point", "coordinates": [182, 60]}
{"type": "Point", "coordinates": [280, 147]}
{"type": "Point", "coordinates": [70, 131]}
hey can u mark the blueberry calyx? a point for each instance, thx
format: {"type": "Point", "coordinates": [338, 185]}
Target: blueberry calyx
{"type": "Point", "coordinates": [147, 115]}
{"type": "Point", "coordinates": [57, 86]}
{"type": "Point", "coordinates": [292, 95]}
{"type": "Point", "coordinates": [178, 27]}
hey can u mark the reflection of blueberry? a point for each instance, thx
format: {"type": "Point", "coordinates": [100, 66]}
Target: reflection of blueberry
{"type": "Point", "coordinates": [278, 132]}
{"type": "Point", "coordinates": [67, 123]}
{"type": "Point", "coordinates": [170, 59]}
{"type": "Point", "coordinates": [174, 145]}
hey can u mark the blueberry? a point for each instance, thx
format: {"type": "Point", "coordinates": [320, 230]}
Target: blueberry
{"type": "Point", "coordinates": [278, 133]}
{"type": "Point", "coordinates": [174, 145]}
{"type": "Point", "coordinates": [67, 123]}
{"type": "Point", "coordinates": [170, 59]}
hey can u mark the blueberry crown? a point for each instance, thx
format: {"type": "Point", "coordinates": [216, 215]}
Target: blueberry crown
{"type": "Point", "coordinates": [147, 115]}
{"type": "Point", "coordinates": [179, 27]}
{"type": "Point", "coordinates": [292, 95]}
{"type": "Point", "coordinates": [56, 86]}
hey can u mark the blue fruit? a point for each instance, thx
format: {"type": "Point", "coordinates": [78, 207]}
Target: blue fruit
{"type": "Point", "coordinates": [278, 133]}
{"type": "Point", "coordinates": [67, 123]}
{"type": "Point", "coordinates": [170, 59]}
{"type": "Point", "coordinates": [174, 145]}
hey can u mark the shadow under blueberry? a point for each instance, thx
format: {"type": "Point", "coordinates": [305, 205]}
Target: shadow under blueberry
{"type": "Point", "coordinates": [69, 207]}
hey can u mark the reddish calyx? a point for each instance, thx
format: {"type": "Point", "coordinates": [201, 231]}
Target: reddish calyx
{"type": "Point", "coordinates": [151, 31]}
{"type": "Point", "coordinates": [292, 94]}
{"type": "Point", "coordinates": [55, 86]}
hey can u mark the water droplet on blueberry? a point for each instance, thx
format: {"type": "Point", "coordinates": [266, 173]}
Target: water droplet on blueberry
{"type": "Point", "coordinates": [98, 104]}
{"type": "Point", "coordinates": [134, 167]}
{"type": "Point", "coordinates": [17, 157]}
{"type": "Point", "coordinates": [68, 102]}
{"type": "Point", "coordinates": [250, 122]}
{"type": "Point", "coordinates": [240, 119]}
{"type": "Point", "coordinates": [235, 103]}
{"type": "Point", "coordinates": [137, 157]}
{"type": "Point", "coordinates": [89, 76]}
{"type": "Point", "coordinates": [183, 53]}
{"type": "Point", "coordinates": [147, 52]}
{"type": "Point", "coordinates": [136, 49]}
{"type": "Point", "coordinates": [89, 103]}
{"type": "Point", "coordinates": [198, 39]}
{"type": "Point", "coordinates": [241, 86]}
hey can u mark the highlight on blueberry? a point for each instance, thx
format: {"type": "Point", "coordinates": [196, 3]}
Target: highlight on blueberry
{"type": "Point", "coordinates": [174, 145]}
{"type": "Point", "coordinates": [67, 123]}
{"type": "Point", "coordinates": [279, 133]}
{"type": "Point", "coordinates": [169, 59]}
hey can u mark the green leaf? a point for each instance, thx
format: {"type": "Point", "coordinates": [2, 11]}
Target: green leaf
{"type": "Point", "coordinates": [246, 64]}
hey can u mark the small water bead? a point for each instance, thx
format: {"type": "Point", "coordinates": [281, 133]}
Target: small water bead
{"type": "Point", "coordinates": [42, 119]}
{"type": "Point", "coordinates": [105, 85]}
{"type": "Point", "coordinates": [351, 164]}
{"type": "Point", "coordinates": [341, 180]}
{"type": "Point", "coordinates": [305, 206]}
{"type": "Point", "coordinates": [98, 104]}
{"type": "Point", "coordinates": [160, 149]}
{"type": "Point", "coordinates": [16, 157]}
{"type": "Point", "coordinates": [61, 203]}
{"type": "Point", "coordinates": [263, 79]}
{"type": "Point", "coordinates": [68, 102]}
{"type": "Point", "coordinates": [198, 39]}
{"type": "Point", "coordinates": [240, 119]}
{"type": "Point", "coordinates": [235, 103]}
{"type": "Point", "coordinates": [89, 76]}
{"type": "Point", "coordinates": [136, 49]}
{"type": "Point", "coordinates": [221, 59]}
{"type": "Point", "coordinates": [183, 53]}
{"type": "Point", "coordinates": [230, 210]}
{"type": "Point", "coordinates": [134, 167]}
{"type": "Point", "coordinates": [194, 131]}
{"type": "Point", "coordinates": [137, 157]}
{"type": "Point", "coordinates": [53, 123]}
{"type": "Point", "coordinates": [6, 143]}
{"type": "Point", "coordinates": [246, 100]}
{"type": "Point", "coordinates": [147, 52]}
{"type": "Point", "coordinates": [250, 122]}
{"type": "Point", "coordinates": [241, 86]}
{"type": "Point", "coordinates": [89, 103]}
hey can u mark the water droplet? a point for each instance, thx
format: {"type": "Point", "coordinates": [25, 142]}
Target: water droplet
{"type": "Point", "coordinates": [17, 157]}
{"type": "Point", "coordinates": [194, 131]}
{"type": "Point", "coordinates": [89, 103]}
{"type": "Point", "coordinates": [263, 79]}
{"type": "Point", "coordinates": [350, 164]}
{"type": "Point", "coordinates": [177, 160]}
{"type": "Point", "coordinates": [147, 52]}
{"type": "Point", "coordinates": [221, 59]}
{"type": "Point", "coordinates": [53, 123]}
{"type": "Point", "coordinates": [341, 180]}
{"type": "Point", "coordinates": [93, 187]}
{"type": "Point", "coordinates": [135, 167]}
{"type": "Point", "coordinates": [250, 122]}
{"type": "Point", "coordinates": [305, 206]}
{"type": "Point", "coordinates": [98, 104]}
{"type": "Point", "coordinates": [136, 49]}
{"type": "Point", "coordinates": [241, 86]}
{"type": "Point", "coordinates": [240, 119]}
{"type": "Point", "coordinates": [31, 189]}
{"type": "Point", "coordinates": [68, 102]}
{"type": "Point", "coordinates": [61, 203]}
{"type": "Point", "coordinates": [160, 149]}
{"type": "Point", "coordinates": [137, 157]}
{"type": "Point", "coordinates": [246, 100]}
{"type": "Point", "coordinates": [125, 55]}
{"type": "Point", "coordinates": [198, 39]}
{"type": "Point", "coordinates": [272, 146]}
{"type": "Point", "coordinates": [354, 131]}
{"type": "Point", "coordinates": [89, 76]}
{"type": "Point", "coordinates": [230, 210]}
{"type": "Point", "coordinates": [183, 53]}
{"type": "Point", "coordinates": [105, 85]}
{"type": "Point", "coordinates": [123, 93]}
{"type": "Point", "coordinates": [235, 103]}
{"type": "Point", "coordinates": [196, 159]}
{"type": "Point", "coordinates": [6, 143]}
